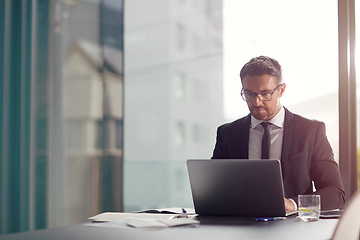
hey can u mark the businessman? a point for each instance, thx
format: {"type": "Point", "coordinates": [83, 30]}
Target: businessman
{"type": "Point", "coordinates": [271, 131]}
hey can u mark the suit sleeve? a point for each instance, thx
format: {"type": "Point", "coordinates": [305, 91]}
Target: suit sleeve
{"type": "Point", "coordinates": [219, 152]}
{"type": "Point", "coordinates": [324, 171]}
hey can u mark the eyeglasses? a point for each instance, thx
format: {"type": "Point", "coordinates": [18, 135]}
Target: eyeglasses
{"type": "Point", "coordinates": [250, 96]}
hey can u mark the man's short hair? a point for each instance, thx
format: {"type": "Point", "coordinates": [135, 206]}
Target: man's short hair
{"type": "Point", "coordinates": [260, 66]}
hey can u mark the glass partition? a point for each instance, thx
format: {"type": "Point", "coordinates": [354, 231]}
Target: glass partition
{"type": "Point", "coordinates": [78, 110]}
{"type": "Point", "coordinates": [183, 60]}
{"type": "Point", "coordinates": [357, 68]}
{"type": "Point", "coordinates": [173, 96]}
{"type": "Point", "coordinates": [104, 101]}
{"type": "Point", "coordinates": [306, 46]}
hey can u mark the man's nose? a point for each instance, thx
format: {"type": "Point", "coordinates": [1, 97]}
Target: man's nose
{"type": "Point", "coordinates": [257, 100]}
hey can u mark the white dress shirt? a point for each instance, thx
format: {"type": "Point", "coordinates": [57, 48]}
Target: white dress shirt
{"type": "Point", "coordinates": [276, 130]}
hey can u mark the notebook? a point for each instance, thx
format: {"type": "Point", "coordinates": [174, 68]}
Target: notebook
{"type": "Point", "coordinates": [237, 187]}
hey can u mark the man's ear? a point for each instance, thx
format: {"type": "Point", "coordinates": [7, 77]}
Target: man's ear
{"type": "Point", "coordinates": [282, 89]}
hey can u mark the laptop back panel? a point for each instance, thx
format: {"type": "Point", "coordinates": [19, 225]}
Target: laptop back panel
{"type": "Point", "coordinates": [234, 187]}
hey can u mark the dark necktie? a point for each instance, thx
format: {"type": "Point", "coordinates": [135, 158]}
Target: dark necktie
{"type": "Point", "coordinates": [265, 144]}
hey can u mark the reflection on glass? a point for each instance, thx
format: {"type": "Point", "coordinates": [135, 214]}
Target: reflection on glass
{"type": "Point", "coordinates": [84, 117]}
{"type": "Point", "coordinates": [182, 80]}
{"type": "Point", "coordinates": [173, 100]}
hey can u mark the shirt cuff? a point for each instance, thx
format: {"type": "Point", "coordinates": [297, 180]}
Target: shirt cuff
{"type": "Point", "coordinates": [295, 205]}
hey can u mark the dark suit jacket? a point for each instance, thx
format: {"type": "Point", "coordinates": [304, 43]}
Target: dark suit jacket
{"type": "Point", "coordinates": [306, 156]}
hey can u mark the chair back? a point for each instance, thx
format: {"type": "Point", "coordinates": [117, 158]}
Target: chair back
{"type": "Point", "coordinates": [349, 224]}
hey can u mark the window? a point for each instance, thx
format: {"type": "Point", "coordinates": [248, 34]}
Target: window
{"type": "Point", "coordinates": [196, 133]}
{"type": "Point", "coordinates": [119, 134]}
{"type": "Point", "coordinates": [200, 90]}
{"type": "Point", "coordinates": [228, 40]}
{"type": "Point", "coordinates": [66, 141]}
{"type": "Point", "coordinates": [160, 105]}
{"type": "Point", "coordinates": [63, 91]}
{"type": "Point", "coordinates": [180, 135]}
{"type": "Point", "coordinates": [304, 46]}
{"type": "Point", "coordinates": [84, 100]}
{"type": "Point", "coordinates": [180, 86]}
{"type": "Point", "coordinates": [180, 36]}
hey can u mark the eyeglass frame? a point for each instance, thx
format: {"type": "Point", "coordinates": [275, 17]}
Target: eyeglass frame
{"type": "Point", "coordinates": [256, 95]}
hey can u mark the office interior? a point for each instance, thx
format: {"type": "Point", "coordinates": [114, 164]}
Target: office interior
{"type": "Point", "coordinates": [103, 101]}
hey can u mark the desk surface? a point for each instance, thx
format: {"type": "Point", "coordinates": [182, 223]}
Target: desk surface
{"type": "Point", "coordinates": [209, 228]}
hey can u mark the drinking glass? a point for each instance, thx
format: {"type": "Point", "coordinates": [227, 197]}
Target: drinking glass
{"type": "Point", "coordinates": [309, 207]}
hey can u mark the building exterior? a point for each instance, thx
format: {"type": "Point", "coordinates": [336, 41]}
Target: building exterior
{"type": "Point", "coordinates": [85, 122]}
{"type": "Point", "coordinates": [174, 99]}
{"type": "Point", "coordinates": [91, 112]}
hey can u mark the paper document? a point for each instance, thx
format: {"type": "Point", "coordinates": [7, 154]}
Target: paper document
{"type": "Point", "coordinates": [150, 213]}
{"type": "Point", "coordinates": [140, 220]}
{"type": "Point", "coordinates": [119, 216]}
{"type": "Point", "coordinates": [144, 223]}
{"type": "Point", "coordinates": [168, 210]}
{"type": "Point", "coordinates": [154, 223]}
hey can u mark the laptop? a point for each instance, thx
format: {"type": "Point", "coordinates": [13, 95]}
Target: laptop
{"type": "Point", "coordinates": [237, 187]}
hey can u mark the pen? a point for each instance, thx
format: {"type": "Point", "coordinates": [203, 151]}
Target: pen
{"type": "Point", "coordinates": [269, 219]}
{"type": "Point", "coordinates": [182, 215]}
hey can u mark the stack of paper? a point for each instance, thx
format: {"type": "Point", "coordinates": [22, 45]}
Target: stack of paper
{"type": "Point", "coordinates": [141, 220]}
{"type": "Point", "coordinates": [148, 222]}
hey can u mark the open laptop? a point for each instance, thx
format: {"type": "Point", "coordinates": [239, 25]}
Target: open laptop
{"type": "Point", "coordinates": [237, 187]}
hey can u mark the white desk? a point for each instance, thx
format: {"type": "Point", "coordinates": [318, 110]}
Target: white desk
{"type": "Point", "coordinates": [209, 228]}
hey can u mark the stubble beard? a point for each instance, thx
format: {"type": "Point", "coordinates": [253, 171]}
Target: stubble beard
{"type": "Point", "coordinates": [268, 116]}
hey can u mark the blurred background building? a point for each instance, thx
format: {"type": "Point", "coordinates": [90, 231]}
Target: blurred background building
{"type": "Point", "coordinates": [173, 100]}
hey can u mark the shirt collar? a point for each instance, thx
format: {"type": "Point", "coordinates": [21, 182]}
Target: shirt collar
{"type": "Point", "coordinates": [277, 120]}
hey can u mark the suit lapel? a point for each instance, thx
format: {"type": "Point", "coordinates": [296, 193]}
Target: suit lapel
{"type": "Point", "coordinates": [288, 130]}
{"type": "Point", "coordinates": [245, 131]}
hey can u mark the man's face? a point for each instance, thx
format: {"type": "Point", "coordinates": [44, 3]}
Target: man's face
{"type": "Point", "coordinates": [263, 110]}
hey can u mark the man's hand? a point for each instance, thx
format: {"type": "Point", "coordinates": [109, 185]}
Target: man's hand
{"type": "Point", "coordinates": [289, 205]}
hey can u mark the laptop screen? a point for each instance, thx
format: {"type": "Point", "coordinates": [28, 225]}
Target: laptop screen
{"type": "Point", "coordinates": [237, 187]}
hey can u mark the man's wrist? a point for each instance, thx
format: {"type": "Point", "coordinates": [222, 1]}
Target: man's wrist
{"type": "Point", "coordinates": [294, 203]}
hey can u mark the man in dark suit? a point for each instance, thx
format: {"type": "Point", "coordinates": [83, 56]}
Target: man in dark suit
{"type": "Point", "coordinates": [272, 131]}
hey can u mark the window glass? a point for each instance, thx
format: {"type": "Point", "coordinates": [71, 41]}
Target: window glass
{"type": "Point", "coordinates": [194, 50]}
{"type": "Point", "coordinates": [306, 46]}
{"type": "Point", "coordinates": [173, 62]}
{"type": "Point", "coordinates": [78, 110]}
{"type": "Point", "coordinates": [357, 68]}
